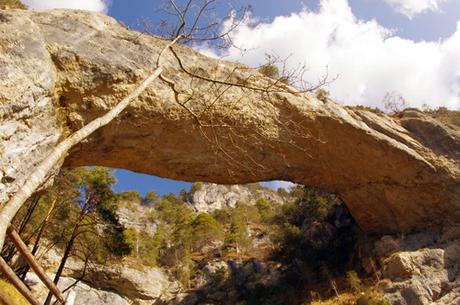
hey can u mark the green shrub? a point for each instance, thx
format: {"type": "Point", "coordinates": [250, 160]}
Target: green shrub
{"type": "Point", "coordinates": [205, 229]}
{"type": "Point", "coordinates": [131, 196]}
{"type": "Point", "coordinates": [237, 238]}
{"type": "Point", "coordinates": [322, 94]}
{"type": "Point", "coordinates": [306, 232]}
{"type": "Point", "coordinates": [265, 209]}
{"type": "Point", "coordinates": [282, 192]}
{"type": "Point", "coordinates": [195, 187]}
{"type": "Point", "coordinates": [254, 186]}
{"type": "Point", "coordinates": [150, 198]}
{"type": "Point", "coordinates": [367, 108]}
{"type": "Point", "coordinates": [183, 274]}
{"type": "Point", "coordinates": [269, 70]}
{"type": "Point", "coordinates": [224, 216]}
{"type": "Point", "coordinates": [354, 281]}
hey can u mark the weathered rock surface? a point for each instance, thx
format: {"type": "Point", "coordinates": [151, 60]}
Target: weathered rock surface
{"type": "Point", "coordinates": [85, 295]}
{"type": "Point", "coordinates": [211, 197]}
{"type": "Point", "coordinates": [422, 269]}
{"type": "Point", "coordinates": [138, 217]}
{"type": "Point", "coordinates": [148, 284]}
{"type": "Point", "coordinates": [60, 69]}
{"type": "Point", "coordinates": [142, 285]}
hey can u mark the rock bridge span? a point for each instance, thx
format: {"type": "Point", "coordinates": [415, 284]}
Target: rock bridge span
{"type": "Point", "coordinates": [60, 69]}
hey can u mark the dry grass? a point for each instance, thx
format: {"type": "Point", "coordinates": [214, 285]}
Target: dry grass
{"type": "Point", "coordinates": [449, 117]}
{"type": "Point", "coordinates": [369, 297]}
{"type": "Point", "coordinates": [15, 296]}
{"type": "Point", "coordinates": [343, 299]}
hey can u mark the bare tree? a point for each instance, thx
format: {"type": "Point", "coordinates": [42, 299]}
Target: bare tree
{"type": "Point", "coordinates": [394, 102]}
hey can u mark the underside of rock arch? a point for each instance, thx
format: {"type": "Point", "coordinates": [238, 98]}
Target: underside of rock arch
{"type": "Point", "coordinates": [61, 69]}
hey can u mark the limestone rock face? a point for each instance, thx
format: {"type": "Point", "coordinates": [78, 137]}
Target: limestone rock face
{"type": "Point", "coordinates": [143, 285]}
{"type": "Point", "coordinates": [423, 269]}
{"type": "Point", "coordinates": [85, 295]}
{"type": "Point", "coordinates": [138, 217]}
{"type": "Point", "coordinates": [149, 284]}
{"type": "Point", "coordinates": [211, 197]}
{"type": "Point", "coordinates": [60, 69]}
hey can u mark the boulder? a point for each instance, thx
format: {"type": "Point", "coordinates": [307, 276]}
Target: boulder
{"type": "Point", "coordinates": [141, 285]}
{"type": "Point", "coordinates": [428, 275]}
{"type": "Point", "coordinates": [148, 285]}
{"type": "Point", "coordinates": [85, 295]}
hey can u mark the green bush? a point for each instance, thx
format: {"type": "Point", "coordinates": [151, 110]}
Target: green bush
{"type": "Point", "coordinates": [306, 232]}
{"type": "Point", "coordinates": [322, 94]}
{"type": "Point", "coordinates": [265, 210]}
{"type": "Point", "coordinates": [269, 70]}
{"type": "Point", "coordinates": [131, 196]}
{"type": "Point", "coordinates": [195, 187]}
{"type": "Point", "coordinates": [367, 108]}
{"type": "Point", "coordinates": [354, 281]}
{"type": "Point", "coordinates": [237, 238]}
{"type": "Point", "coordinates": [205, 229]}
{"type": "Point", "coordinates": [282, 192]}
{"type": "Point", "coordinates": [150, 198]}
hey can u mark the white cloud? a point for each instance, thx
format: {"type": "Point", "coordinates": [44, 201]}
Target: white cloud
{"type": "Point", "coordinates": [278, 184]}
{"type": "Point", "coordinates": [411, 8]}
{"type": "Point", "coordinates": [90, 5]}
{"type": "Point", "coordinates": [369, 59]}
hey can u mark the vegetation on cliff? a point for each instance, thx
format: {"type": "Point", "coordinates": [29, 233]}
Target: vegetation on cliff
{"type": "Point", "coordinates": [296, 241]}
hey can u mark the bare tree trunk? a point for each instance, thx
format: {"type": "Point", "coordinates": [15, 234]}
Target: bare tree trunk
{"type": "Point", "coordinates": [30, 211]}
{"type": "Point", "coordinates": [9, 251]}
{"type": "Point", "coordinates": [60, 269]}
{"type": "Point", "coordinates": [69, 247]}
{"type": "Point", "coordinates": [39, 236]}
{"type": "Point", "coordinates": [66, 255]}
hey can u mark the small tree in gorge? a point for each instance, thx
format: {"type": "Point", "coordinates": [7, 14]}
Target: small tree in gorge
{"type": "Point", "coordinates": [90, 226]}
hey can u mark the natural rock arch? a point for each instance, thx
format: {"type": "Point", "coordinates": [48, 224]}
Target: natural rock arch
{"type": "Point", "coordinates": [60, 69]}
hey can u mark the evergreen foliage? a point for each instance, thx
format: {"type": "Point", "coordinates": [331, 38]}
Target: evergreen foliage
{"type": "Point", "coordinates": [206, 229]}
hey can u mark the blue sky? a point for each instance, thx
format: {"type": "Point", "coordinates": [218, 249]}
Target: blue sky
{"type": "Point", "coordinates": [410, 47]}
{"type": "Point", "coordinates": [430, 25]}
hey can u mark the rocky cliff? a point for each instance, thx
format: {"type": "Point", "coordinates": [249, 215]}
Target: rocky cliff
{"type": "Point", "coordinates": [210, 197]}
{"type": "Point", "coordinates": [60, 69]}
